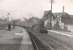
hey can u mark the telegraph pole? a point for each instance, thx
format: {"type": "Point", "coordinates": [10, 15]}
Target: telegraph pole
{"type": "Point", "coordinates": [51, 5]}
{"type": "Point", "coordinates": [63, 9]}
{"type": "Point", "coordinates": [51, 14]}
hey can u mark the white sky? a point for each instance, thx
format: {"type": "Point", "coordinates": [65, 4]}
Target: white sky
{"type": "Point", "coordinates": [28, 8]}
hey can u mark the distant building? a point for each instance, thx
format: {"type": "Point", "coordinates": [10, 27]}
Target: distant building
{"type": "Point", "coordinates": [55, 19]}
{"type": "Point", "coordinates": [49, 19]}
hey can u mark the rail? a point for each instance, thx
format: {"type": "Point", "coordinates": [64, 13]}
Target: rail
{"type": "Point", "coordinates": [37, 44]}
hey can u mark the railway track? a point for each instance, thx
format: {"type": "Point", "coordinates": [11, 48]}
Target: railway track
{"type": "Point", "coordinates": [37, 44]}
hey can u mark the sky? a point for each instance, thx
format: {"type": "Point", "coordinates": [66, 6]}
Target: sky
{"type": "Point", "coordinates": [29, 8]}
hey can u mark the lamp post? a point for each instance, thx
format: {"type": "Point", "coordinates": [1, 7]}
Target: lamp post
{"type": "Point", "coordinates": [9, 24]}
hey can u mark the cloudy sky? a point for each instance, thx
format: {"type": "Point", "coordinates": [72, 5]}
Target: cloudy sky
{"type": "Point", "coordinates": [28, 8]}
